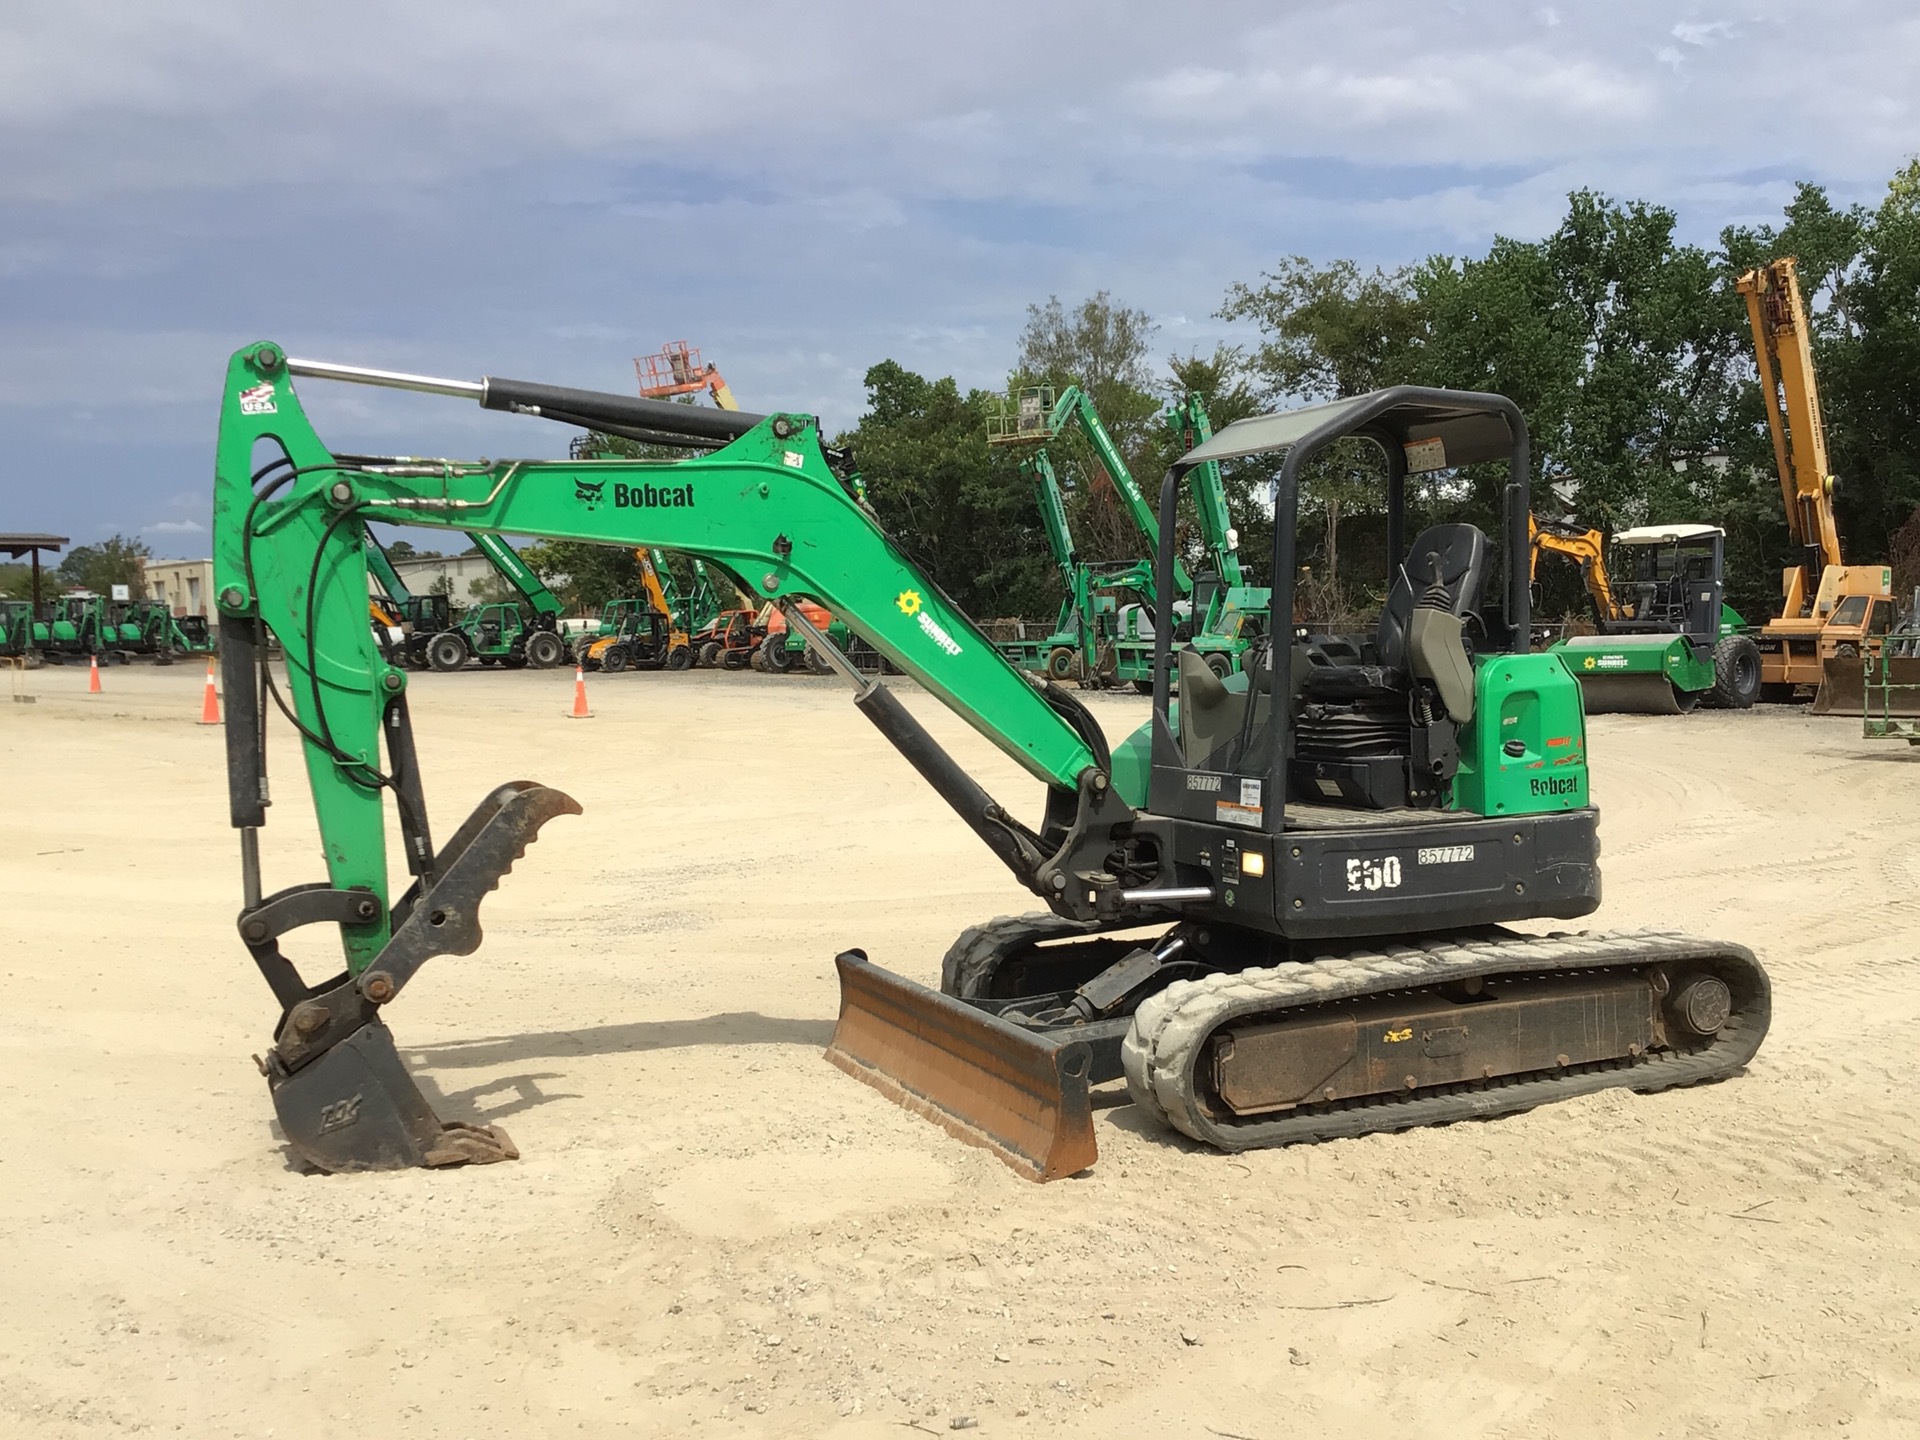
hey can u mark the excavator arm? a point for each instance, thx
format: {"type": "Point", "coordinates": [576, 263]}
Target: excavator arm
{"type": "Point", "coordinates": [291, 557]}
{"type": "Point", "coordinates": [1585, 548]}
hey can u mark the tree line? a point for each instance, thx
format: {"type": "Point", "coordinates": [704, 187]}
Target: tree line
{"type": "Point", "coordinates": [1628, 351]}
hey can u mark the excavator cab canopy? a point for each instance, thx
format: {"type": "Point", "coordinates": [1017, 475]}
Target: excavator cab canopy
{"type": "Point", "coordinates": [1420, 430]}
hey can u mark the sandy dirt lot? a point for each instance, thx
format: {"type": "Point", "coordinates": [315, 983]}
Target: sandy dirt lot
{"type": "Point", "coordinates": [713, 1232]}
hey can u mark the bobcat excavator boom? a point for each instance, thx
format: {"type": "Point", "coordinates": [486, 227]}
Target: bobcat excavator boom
{"type": "Point", "coordinates": [1298, 944]}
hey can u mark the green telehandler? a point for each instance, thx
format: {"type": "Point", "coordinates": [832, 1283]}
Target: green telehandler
{"type": "Point", "coordinates": [1326, 854]}
{"type": "Point", "coordinates": [426, 632]}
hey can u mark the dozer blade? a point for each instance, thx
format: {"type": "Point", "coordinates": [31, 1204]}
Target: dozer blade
{"type": "Point", "coordinates": [982, 1079]}
{"type": "Point", "coordinates": [357, 1108]}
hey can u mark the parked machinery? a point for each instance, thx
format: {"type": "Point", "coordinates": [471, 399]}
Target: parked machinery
{"type": "Point", "coordinates": [426, 632]}
{"type": "Point", "coordinates": [638, 633]}
{"type": "Point", "coordinates": [1104, 633]}
{"type": "Point", "coordinates": [1326, 852]}
{"type": "Point", "coordinates": [1831, 613]}
{"type": "Point", "coordinates": [1667, 640]}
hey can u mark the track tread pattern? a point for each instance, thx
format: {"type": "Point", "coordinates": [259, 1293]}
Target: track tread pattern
{"type": "Point", "coordinates": [1166, 1044]}
{"type": "Point", "coordinates": [970, 961]}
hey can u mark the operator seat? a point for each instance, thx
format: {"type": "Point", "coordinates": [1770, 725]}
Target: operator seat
{"type": "Point", "coordinates": [1384, 735]}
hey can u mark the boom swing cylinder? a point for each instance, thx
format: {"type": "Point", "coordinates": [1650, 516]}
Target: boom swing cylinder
{"type": "Point", "coordinates": [1187, 829]}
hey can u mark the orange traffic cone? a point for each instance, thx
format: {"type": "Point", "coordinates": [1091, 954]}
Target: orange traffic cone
{"type": "Point", "coordinates": [93, 674]}
{"type": "Point", "coordinates": [580, 710]}
{"type": "Point", "coordinates": [210, 705]}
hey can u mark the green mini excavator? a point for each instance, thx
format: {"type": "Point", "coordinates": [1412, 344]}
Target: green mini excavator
{"type": "Point", "coordinates": [1278, 910]}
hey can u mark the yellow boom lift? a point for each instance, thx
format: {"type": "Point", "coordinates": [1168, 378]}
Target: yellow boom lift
{"type": "Point", "coordinates": [1831, 613]}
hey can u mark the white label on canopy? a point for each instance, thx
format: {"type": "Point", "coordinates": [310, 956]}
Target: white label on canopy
{"type": "Point", "coordinates": [1424, 455]}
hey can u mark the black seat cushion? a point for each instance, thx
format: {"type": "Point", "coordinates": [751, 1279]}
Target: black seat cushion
{"type": "Point", "coordinates": [1459, 555]}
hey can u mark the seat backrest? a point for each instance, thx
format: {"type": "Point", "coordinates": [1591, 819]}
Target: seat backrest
{"type": "Point", "coordinates": [1460, 553]}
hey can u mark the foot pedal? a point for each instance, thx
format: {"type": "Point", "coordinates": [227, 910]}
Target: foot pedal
{"type": "Point", "coordinates": [357, 1108]}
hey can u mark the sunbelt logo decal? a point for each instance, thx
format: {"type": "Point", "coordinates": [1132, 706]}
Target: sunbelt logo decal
{"type": "Point", "coordinates": [910, 604]}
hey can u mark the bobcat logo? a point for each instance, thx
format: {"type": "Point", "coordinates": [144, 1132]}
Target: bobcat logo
{"type": "Point", "coordinates": [589, 494]}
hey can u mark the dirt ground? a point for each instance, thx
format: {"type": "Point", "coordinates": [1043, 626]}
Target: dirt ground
{"type": "Point", "coordinates": [713, 1232]}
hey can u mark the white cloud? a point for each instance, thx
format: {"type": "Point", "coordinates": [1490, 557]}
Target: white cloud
{"type": "Point", "coordinates": [173, 527]}
{"type": "Point", "coordinates": [466, 187]}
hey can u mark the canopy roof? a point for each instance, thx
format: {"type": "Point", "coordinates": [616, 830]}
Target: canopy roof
{"type": "Point", "coordinates": [1471, 427]}
{"type": "Point", "coordinates": [18, 545]}
{"type": "Point", "coordinates": [1664, 534]}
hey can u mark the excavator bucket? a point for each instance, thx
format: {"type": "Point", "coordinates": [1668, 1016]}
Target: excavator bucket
{"type": "Point", "coordinates": [982, 1079]}
{"type": "Point", "coordinates": [1842, 686]}
{"type": "Point", "coordinates": [1891, 690]}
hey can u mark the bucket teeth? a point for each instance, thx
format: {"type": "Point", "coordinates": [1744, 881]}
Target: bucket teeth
{"type": "Point", "coordinates": [984, 1080]}
{"type": "Point", "coordinates": [355, 1107]}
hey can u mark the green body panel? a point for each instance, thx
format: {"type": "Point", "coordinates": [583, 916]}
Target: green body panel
{"type": "Point", "coordinates": [1731, 621]}
{"type": "Point", "coordinates": [1531, 699]}
{"type": "Point", "coordinates": [510, 627]}
{"type": "Point", "coordinates": [1595, 657]}
{"type": "Point", "coordinates": [768, 506]}
{"type": "Point", "coordinates": [16, 626]}
{"type": "Point", "coordinates": [1534, 701]}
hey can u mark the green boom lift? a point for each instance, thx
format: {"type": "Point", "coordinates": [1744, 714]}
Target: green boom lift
{"type": "Point", "coordinates": [1324, 853]}
{"type": "Point", "coordinates": [1233, 615]}
{"type": "Point", "coordinates": [1111, 598]}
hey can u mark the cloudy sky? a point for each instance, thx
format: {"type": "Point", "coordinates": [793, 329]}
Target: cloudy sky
{"type": "Point", "coordinates": [544, 192]}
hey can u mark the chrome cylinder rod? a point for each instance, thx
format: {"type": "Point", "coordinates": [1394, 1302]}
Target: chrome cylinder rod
{"type": "Point", "coordinates": [387, 379]}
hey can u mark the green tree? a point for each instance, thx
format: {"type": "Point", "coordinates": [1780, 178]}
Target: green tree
{"type": "Point", "coordinates": [584, 575]}
{"type": "Point", "coordinates": [1104, 349]}
{"type": "Point", "coordinates": [956, 505]}
{"type": "Point", "coordinates": [1330, 331]}
{"type": "Point", "coordinates": [119, 560]}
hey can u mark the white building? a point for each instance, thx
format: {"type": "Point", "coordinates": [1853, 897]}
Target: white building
{"type": "Point", "coordinates": [420, 576]}
{"type": "Point", "coordinates": [185, 585]}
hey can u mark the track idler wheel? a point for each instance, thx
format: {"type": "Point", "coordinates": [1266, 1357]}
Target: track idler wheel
{"type": "Point", "coordinates": [357, 1108]}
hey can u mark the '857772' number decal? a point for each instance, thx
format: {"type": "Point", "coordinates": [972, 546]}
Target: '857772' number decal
{"type": "Point", "coordinates": [1373, 874]}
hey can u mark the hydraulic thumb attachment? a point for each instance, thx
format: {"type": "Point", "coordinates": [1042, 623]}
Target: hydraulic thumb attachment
{"type": "Point", "coordinates": [342, 1094]}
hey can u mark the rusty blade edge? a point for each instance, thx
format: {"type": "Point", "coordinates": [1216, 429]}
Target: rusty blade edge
{"type": "Point", "coordinates": [1026, 1166]}
{"type": "Point", "coordinates": [978, 1078]}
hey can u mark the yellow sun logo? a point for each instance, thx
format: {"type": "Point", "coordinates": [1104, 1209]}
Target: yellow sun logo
{"type": "Point", "coordinates": [1588, 662]}
{"type": "Point", "coordinates": [909, 602]}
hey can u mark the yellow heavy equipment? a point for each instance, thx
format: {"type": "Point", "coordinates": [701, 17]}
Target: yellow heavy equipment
{"type": "Point", "coordinates": [1831, 613]}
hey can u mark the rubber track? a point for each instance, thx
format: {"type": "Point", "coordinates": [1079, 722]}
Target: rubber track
{"type": "Point", "coordinates": [1168, 1039]}
{"type": "Point", "coordinates": [973, 958]}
